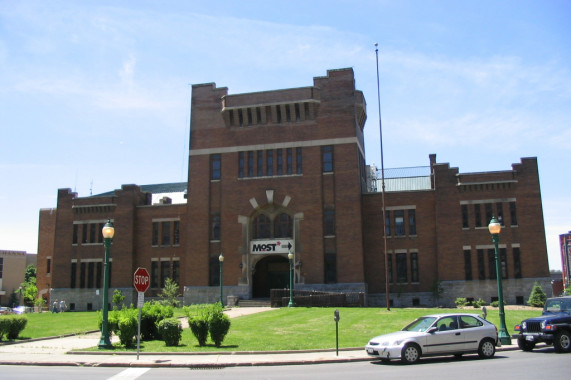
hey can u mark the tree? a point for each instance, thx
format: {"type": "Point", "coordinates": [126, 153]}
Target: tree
{"type": "Point", "coordinates": [31, 272]}
{"type": "Point", "coordinates": [437, 290]}
{"type": "Point", "coordinates": [170, 293]}
{"type": "Point", "coordinates": [118, 298]}
{"type": "Point", "coordinates": [537, 297]}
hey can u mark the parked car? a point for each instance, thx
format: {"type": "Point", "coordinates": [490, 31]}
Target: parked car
{"type": "Point", "coordinates": [437, 334]}
{"type": "Point", "coordinates": [552, 327]}
{"type": "Point", "coordinates": [5, 310]}
{"type": "Point", "coordinates": [22, 309]}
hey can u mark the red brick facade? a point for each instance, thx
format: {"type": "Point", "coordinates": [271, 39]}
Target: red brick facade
{"type": "Point", "coordinates": [287, 167]}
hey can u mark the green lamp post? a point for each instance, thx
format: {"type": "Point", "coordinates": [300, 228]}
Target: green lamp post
{"type": "Point", "coordinates": [108, 233]}
{"type": "Point", "coordinates": [495, 228]}
{"type": "Point", "coordinates": [221, 260]}
{"type": "Point", "coordinates": [290, 257]}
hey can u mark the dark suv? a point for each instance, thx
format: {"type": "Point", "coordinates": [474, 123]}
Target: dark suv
{"type": "Point", "coordinates": [552, 327]}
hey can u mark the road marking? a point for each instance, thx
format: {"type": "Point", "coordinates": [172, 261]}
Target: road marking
{"type": "Point", "coordinates": [130, 373]}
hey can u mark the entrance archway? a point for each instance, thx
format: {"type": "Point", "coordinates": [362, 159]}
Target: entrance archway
{"type": "Point", "coordinates": [272, 272]}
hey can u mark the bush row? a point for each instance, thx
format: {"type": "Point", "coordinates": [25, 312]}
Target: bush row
{"type": "Point", "coordinates": [12, 325]}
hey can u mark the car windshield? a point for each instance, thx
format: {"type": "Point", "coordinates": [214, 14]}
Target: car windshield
{"type": "Point", "coordinates": [421, 324]}
{"type": "Point", "coordinates": [557, 305]}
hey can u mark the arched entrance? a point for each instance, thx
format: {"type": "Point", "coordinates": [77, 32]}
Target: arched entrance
{"type": "Point", "coordinates": [271, 272]}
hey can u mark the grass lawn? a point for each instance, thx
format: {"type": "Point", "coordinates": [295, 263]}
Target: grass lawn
{"type": "Point", "coordinates": [314, 328]}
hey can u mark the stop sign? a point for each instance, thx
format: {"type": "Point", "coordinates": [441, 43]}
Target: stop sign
{"type": "Point", "coordinates": [141, 280]}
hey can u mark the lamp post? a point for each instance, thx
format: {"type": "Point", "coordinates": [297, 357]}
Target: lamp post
{"type": "Point", "coordinates": [221, 259]}
{"type": "Point", "coordinates": [108, 232]}
{"type": "Point", "coordinates": [495, 228]}
{"type": "Point", "coordinates": [290, 257]}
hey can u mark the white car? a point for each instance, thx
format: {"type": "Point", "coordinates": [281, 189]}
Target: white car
{"type": "Point", "coordinates": [437, 334]}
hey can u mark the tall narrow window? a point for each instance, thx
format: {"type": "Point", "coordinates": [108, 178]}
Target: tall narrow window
{"type": "Point", "coordinates": [489, 212]}
{"type": "Point", "coordinates": [92, 233]}
{"type": "Point", "coordinates": [414, 267]}
{"type": "Point", "coordinates": [288, 112]}
{"type": "Point", "coordinates": [492, 264]}
{"type": "Point", "coordinates": [465, 216]}
{"type": "Point", "coordinates": [289, 160]}
{"type": "Point", "coordinates": [390, 267]}
{"type": "Point", "coordinates": [100, 233]}
{"type": "Point", "coordinates": [327, 153]}
{"type": "Point", "coordinates": [250, 163]}
{"type": "Point", "coordinates": [260, 156]}
{"type": "Point", "coordinates": [75, 233]}
{"type": "Point", "coordinates": [513, 214]}
{"type": "Point", "coordinates": [215, 167]}
{"type": "Point", "coordinates": [297, 113]}
{"type": "Point", "coordinates": [298, 161]}
{"type": "Point", "coordinates": [402, 275]}
{"type": "Point", "coordinates": [249, 113]}
{"type": "Point", "coordinates": [214, 269]}
{"type": "Point", "coordinates": [503, 263]}
{"type": "Point", "coordinates": [259, 115]}
{"type": "Point", "coordinates": [154, 274]}
{"type": "Point", "coordinates": [270, 162]}
{"type": "Point", "coordinates": [517, 263]}
{"type": "Point", "coordinates": [165, 272]}
{"type": "Point", "coordinates": [98, 274]}
{"type": "Point", "coordinates": [48, 266]}
{"type": "Point", "coordinates": [90, 274]}
{"type": "Point", "coordinates": [279, 113]}
{"type": "Point", "coordinates": [283, 226]}
{"type": "Point", "coordinates": [73, 277]}
{"type": "Point", "coordinates": [215, 227]}
{"type": "Point", "coordinates": [330, 268]}
{"type": "Point", "coordinates": [468, 265]}
{"type": "Point", "coordinates": [388, 223]}
{"type": "Point", "coordinates": [176, 233]}
{"type": "Point", "coordinates": [82, 275]}
{"type": "Point", "coordinates": [399, 223]}
{"type": "Point", "coordinates": [240, 164]}
{"type": "Point", "coordinates": [241, 118]}
{"type": "Point", "coordinates": [166, 237]}
{"type": "Point", "coordinates": [280, 162]}
{"type": "Point", "coordinates": [176, 271]}
{"type": "Point", "coordinates": [477, 215]}
{"type": "Point", "coordinates": [481, 265]}
{"type": "Point", "coordinates": [155, 234]}
{"type": "Point", "coordinates": [412, 222]}
{"type": "Point", "coordinates": [84, 235]}
{"type": "Point", "coordinates": [261, 227]}
{"type": "Point", "coordinates": [500, 213]}
{"type": "Point", "coordinates": [329, 222]}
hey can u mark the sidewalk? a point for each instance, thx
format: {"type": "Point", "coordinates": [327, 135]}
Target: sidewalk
{"type": "Point", "coordinates": [57, 352]}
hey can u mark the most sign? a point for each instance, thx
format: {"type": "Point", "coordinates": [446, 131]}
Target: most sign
{"type": "Point", "coordinates": [141, 280]}
{"type": "Point", "coordinates": [270, 246]}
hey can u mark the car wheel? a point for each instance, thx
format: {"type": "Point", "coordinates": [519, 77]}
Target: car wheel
{"type": "Point", "coordinates": [562, 341]}
{"type": "Point", "coordinates": [525, 344]}
{"type": "Point", "coordinates": [487, 349]}
{"type": "Point", "coordinates": [410, 354]}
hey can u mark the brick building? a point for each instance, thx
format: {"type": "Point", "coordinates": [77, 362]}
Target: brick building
{"type": "Point", "coordinates": [284, 170]}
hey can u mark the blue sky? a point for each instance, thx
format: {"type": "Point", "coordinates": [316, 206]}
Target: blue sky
{"type": "Point", "coordinates": [95, 94]}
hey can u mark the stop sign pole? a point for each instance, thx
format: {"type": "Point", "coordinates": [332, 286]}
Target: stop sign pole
{"type": "Point", "coordinates": [141, 281]}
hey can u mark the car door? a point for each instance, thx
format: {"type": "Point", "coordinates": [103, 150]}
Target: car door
{"type": "Point", "coordinates": [472, 331]}
{"type": "Point", "coordinates": [446, 339]}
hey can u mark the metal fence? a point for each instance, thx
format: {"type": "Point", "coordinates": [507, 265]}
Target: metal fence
{"type": "Point", "coordinates": [310, 298]}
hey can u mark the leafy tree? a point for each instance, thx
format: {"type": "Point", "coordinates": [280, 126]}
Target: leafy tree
{"type": "Point", "coordinates": [31, 272]}
{"type": "Point", "coordinates": [437, 290]}
{"type": "Point", "coordinates": [118, 298]}
{"type": "Point", "coordinates": [170, 293]}
{"type": "Point", "coordinates": [537, 297]}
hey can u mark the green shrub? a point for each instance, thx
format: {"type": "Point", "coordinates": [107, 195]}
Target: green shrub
{"type": "Point", "coordinates": [170, 330]}
{"type": "Point", "coordinates": [461, 302]}
{"type": "Point", "coordinates": [4, 326]}
{"type": "Point", "coordinates": [12, 326]}
{"type": "Point", "coordinates": [151, 314]}
{"type": "Point", "coordinates": [479, 303]}
{"type": "Point", "coordinates": [199, 327]}
{"type": "Point", "coordinates": [218, 326]}
{"type": "Point", "coordinates": [127, 326]}
{"type": "Point", "coordinates": [537, 297]}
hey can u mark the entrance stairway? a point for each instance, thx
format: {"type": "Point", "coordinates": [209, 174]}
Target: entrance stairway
{"type": "Point", "coordinates": [258, 302]}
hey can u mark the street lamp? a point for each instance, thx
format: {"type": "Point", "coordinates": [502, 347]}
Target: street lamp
{"type": "Point", "coordinates": [108, 232]}
{"type": "Point", "coordinates": [221, 259]}
{"type": "Point", "coordinates": [495, 228]}
{"type": "Point", "coordinates": [290, 257]}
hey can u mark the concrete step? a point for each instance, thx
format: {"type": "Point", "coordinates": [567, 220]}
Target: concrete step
{"type": "Point", "coordinates": [254, 303]}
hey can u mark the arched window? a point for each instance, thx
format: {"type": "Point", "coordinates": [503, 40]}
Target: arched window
{"type": "Point", "coordinates": [283, 226]}
{"type": "Point", "coordinates": [262, 227]}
